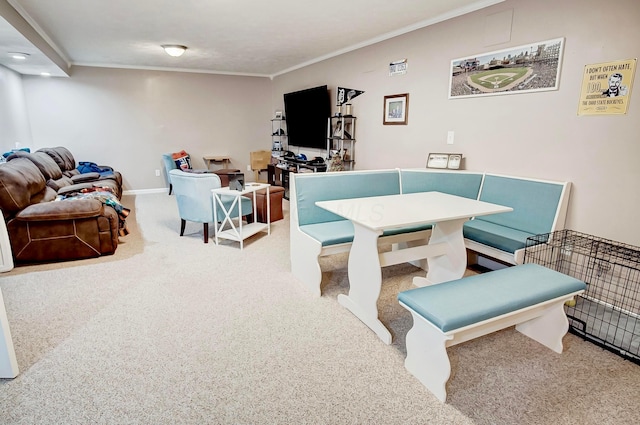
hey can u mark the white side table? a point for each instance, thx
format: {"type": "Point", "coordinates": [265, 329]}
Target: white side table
{"type": "Point", "coordinates": [239, 232]}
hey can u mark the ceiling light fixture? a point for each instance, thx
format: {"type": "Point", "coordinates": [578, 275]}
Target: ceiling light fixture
{"type": "Point", "coordinates": [174, 50]}
{"type": "Point", "coordinates": [19, 56]}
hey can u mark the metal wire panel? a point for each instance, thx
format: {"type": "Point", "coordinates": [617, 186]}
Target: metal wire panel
{"type": "Point", "coordinates": [608, 313]}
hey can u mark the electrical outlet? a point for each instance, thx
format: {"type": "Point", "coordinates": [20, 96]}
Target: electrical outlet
{"type": "Point", "coordinates": [450, 138]}
{"type": "Point", "coordinates": [157, 173]}
{"type": "Point", "coordinates": [248, 167]}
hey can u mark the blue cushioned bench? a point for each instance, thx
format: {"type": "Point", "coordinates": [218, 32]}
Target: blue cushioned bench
{"type": "Point", "coordinates": [529, 296]}
{"type": "Point", "coordinates": [316, 232]}
{"type": "Point", "coordinates": [539, 207]}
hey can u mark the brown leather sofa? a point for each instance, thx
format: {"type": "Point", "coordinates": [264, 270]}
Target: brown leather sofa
{"type": "Point", "coordinates": [43, 228]}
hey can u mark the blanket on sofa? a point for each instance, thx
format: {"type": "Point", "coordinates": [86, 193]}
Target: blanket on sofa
{"type": "Point", "coordinates": [105, 195]}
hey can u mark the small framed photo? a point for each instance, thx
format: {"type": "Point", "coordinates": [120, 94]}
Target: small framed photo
{"type": "Point", "coordinates": [451, 161]}
{"type": "Point", "coordinates": [396, 109]}
{"type": "Point", "coordinates": [278, 115]}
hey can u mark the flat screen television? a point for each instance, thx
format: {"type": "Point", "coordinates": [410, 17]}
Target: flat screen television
{"type": "Point", "coordinates": [306, 113]}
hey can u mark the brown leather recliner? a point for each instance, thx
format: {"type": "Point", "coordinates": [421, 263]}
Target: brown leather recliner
{"type": "Point", "coordinates": [66, 163]}
{"type": "Point", "coordinates": [43, 229]}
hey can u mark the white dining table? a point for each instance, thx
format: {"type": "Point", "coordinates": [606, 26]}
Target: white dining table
{"type": "Point", "coordinates": [372, 216]}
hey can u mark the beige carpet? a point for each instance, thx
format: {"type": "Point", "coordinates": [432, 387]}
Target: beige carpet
{"type": "Point", "coordinates": [172, 331]}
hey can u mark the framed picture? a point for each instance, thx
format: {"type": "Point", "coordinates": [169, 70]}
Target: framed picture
{"type": "Point", "coordinates": [396, 109]}
{"type": "Point", "coordinates": [528, 68]}
{"type": "Point", "coordinates": [606, 87]}
{"type": "Point", "coordinates": [444, 160]}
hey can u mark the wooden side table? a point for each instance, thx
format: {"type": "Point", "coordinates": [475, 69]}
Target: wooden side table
{"type": "Point", "coordinates": [213, 159]}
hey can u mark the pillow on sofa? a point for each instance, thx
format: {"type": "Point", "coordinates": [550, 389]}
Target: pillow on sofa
{"type": "Point", "coordinates": [182, 160]}
{"type": "Point", "coordinates": [56, 157]}
{"type": "Point", "coordinates": [47, 166]}
{"type": "Point", "coordinates": [67, 157]}
{"type": "Point", "coordinates": [21, 183]}
{"type": "Point", "coordinates": [85, 177]}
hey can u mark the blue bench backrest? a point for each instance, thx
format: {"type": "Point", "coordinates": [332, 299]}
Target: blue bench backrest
{"type": "Point", "coordinates": [314, 187]}
{"type": "Point", "coordinates": [534, 203]}
{"type": "Point", "coordinates": [453, 183]}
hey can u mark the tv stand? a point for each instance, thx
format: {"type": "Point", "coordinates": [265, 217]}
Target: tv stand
{"type": "Point", "coordinates": [278, 174]}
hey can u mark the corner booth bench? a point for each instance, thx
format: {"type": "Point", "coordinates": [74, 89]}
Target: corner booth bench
{"type": "Point", "coordinates": [539, 206]}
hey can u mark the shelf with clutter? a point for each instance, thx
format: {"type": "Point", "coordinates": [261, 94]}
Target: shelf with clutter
{"type": "Point", "coordinates": [341, 142]}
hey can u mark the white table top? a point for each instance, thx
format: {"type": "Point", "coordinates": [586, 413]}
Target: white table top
{"type": "Point", "coordinates": [248, 188]}
{"type": "Point", "coordinates": [394, 211]}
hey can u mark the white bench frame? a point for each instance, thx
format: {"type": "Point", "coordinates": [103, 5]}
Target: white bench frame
{"type": "Point", "coordinates": [427, 357]}
{"type": "Point", "coordinates": [306, 267]}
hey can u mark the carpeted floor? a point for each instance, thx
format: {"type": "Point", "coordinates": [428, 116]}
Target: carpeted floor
{"type": "Point", "coordinates": [172, 331]}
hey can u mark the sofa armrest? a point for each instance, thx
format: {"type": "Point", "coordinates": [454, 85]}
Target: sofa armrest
{"type": "Point", "coordinates": [85, 177]}
{"type": "Point", "coordinates": [71, 209]}
{"type": "Point", "coordinates": [74, 188]}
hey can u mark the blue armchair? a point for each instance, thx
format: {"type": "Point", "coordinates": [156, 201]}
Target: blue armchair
{"type": "Point", "coordinates": [195, 200]}
{"type": "Point", "coordinates": [169, 164]}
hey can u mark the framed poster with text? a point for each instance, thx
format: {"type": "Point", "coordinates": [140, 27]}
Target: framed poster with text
{"type": "Point", "coordinates": [606, 88]}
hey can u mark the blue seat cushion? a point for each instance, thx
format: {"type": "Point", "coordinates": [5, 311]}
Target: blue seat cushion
{"type": "Point", "coordinates": [330, 232]}
{"type": "Point", "coordinates": [341, 231]}
{"type": "Point", "coordinates": [494, 235]}
{"type": "Point", "coordinates": [458, 303]}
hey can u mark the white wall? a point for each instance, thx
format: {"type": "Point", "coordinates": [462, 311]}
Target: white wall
{"type": "Point", "coordinates": [128, 118]}
{"type": "Point", "coordinates": [14, 124]}
{"type": "Point", "coordinates": [535, 135]}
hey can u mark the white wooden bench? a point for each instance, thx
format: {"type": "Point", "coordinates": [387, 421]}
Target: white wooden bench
{"type": "Point", "coordinates": [529, 296]}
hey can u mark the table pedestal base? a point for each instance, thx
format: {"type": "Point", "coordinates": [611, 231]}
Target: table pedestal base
{"type": "Point", "coordinates": [445, 254]}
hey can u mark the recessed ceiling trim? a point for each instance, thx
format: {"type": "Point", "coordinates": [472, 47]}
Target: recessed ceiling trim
{"type": "Point", "coordinates": [49, 48]}
{"type": "Point", "coordinates": [163, 68]}
{"type": "Point", "coordinates": [441, 18]}
{"type": "Point", "coordinates": [36, 35]}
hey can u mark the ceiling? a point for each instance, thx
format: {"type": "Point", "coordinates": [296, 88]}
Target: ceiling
{"type": "Point", "coordinates": [243, 37]}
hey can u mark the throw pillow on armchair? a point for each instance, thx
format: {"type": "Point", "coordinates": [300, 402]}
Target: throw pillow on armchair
{"type": "Point", "coordinates": [182, 160]}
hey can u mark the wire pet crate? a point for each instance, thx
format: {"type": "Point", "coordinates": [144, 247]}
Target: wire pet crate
{"type": "Point", "coordinates": [608, 312]}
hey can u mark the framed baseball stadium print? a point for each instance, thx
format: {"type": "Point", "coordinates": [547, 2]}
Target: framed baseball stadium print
{"type": "Point", "coordinates": [528, 68]}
